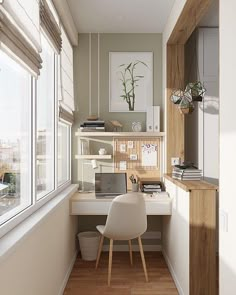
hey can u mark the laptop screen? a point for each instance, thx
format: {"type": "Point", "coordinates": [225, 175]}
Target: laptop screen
{"type": "Point", "coordinates": [110, 184]}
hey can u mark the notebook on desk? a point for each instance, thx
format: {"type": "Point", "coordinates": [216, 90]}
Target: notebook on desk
{"type": "Point", "coordinates": [110, 185]}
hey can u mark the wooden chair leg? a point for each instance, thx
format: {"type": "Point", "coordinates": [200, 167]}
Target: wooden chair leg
{"type": "Point", "coordinates": [110, 262]}
{"type": "Point", "coordinates": [99, 250]}
{"type": "Point", "coordinates": [143, 258]}
{"type": "Point", "coordinates": [130, 253]}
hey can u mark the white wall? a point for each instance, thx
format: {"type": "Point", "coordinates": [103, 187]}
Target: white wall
{"type": "Point", "coordinates": [39, 264]}
{"type": "Point", "coordinates": [227, 146]}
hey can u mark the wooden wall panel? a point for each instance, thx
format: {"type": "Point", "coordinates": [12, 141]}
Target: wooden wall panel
{"type": "Point", "coordinates": [189, 18]}
{"type": "Point", "coordinates": [135, 167]}
{"type": "Point", "coordinates": [185, 25]}
{"type": "Point", "coordinates": [175, 121]}
{"type": "Point", "coordinates": [202, 242]}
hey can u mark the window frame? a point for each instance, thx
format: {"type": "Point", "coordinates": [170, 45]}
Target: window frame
{"type": "Point", "coordinates": [60, 121]}
{"type": "Point", "coordinates": [54, 116]}
{"type": "Point", "coordinates": [18, 210]}
{"type": "Point", "coordinates": [37, 204]}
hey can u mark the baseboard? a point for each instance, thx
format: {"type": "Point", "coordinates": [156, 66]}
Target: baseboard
{"type": "Point", "coordinates": [174, 276]}
{"type": "Point", "coordinates": [135, 248]}
{"type": "Point", "coordinates": [66, 278]}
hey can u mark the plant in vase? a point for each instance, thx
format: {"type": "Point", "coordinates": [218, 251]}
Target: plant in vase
{"type": "Point", "coordinates": [130, 81]}
{"type": "Point", "coordinates": [186, 105]}
{"type": "Point", "coordinates": [196, 89]}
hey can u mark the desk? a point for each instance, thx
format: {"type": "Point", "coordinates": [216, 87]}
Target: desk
{"type": "Point", "coordinates": [88, 204]}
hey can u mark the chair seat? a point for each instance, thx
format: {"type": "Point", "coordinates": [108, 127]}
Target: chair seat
{"type": "Point", "coordinates": [100, 228]}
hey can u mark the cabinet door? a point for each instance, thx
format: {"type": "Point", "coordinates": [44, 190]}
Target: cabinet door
{"type": "Point", "coordinates": [176, 237]}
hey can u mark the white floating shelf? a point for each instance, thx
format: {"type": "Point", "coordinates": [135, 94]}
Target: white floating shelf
{"type": "Point", "coordinates": [93, 157]}
{"type": "Point", "coordinates": [120, 134]}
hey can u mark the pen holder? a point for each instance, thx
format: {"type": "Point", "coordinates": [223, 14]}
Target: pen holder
{"type": "Point", "coordinates": [135, 187]}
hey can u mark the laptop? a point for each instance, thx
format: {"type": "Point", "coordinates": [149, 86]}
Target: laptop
{"type": "Point", "coordinates": [110, 185]}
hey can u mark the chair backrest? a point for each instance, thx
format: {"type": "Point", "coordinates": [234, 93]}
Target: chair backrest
{"type": "Point", "coordinates": [127, 218]}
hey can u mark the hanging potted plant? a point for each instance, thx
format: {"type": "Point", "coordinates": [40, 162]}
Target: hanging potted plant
{"type": "Point", "coordinates": [176, 96]}
{"type": "Point", "coordinates": [196, 89]}
{"type": "Point", "coordinates": [186, 105]}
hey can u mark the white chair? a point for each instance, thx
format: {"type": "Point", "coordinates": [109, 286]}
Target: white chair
{"type": "Point", "coordinates": [126, 220]}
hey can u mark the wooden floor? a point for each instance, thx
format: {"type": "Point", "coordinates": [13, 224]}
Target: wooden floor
{"type": "Point", "coordinates": [125, 279]}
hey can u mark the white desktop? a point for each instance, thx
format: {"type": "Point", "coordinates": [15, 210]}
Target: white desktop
{"type": "Point", "coordinates": [86, 203]}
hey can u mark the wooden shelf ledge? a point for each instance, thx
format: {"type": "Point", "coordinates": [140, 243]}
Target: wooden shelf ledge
{"type": "Point", "coordinates": [120, 134]}
{"type": "Point", "coordinates": [93, 157]}
{"type": "Point", "coordinates": [189, 185]}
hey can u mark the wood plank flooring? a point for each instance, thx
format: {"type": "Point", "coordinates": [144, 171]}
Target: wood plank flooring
{"type": "Point", "coordinates": [125, 279]}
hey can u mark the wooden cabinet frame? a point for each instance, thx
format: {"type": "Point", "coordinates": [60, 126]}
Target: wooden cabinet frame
{"type": "Point", "coordinates": [185, 25]}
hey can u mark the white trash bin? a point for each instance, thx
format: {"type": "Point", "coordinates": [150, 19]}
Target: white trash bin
{"type": "Point", "coordinates": [89, 242]}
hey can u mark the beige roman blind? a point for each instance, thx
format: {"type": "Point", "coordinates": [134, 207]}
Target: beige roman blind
{"type": "Point", "coordinates": [50, 26]}
{"type": "Point", "coordinates": [66, 80]}
{"type": "Point", "coordinates": [25, 14]}
{"type": "Point", "coordinates": [16, 44]}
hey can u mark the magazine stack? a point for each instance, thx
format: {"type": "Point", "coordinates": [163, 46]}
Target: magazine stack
{"type": "Point", "coordinates": [189, 173]}
{"type": "Point", "coordinates": [93, 126]}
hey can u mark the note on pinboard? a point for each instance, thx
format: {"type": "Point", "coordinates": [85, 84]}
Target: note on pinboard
{"type": "Point", "coordinates": [122, 148]}
{"type": "Point", "coordinates": [123, 165]}
{"type": "Point", "coordinates": [149, 155]}
{"type": "Point", "coordinates": [130, 144]}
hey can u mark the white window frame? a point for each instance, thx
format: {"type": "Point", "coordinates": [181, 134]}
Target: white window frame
{"type": "Point", "coordinates": [69, 151]}
{"type": "Point", "coordinates": [37, 204]}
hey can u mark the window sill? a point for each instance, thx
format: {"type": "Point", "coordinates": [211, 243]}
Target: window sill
{"type": "Point", "coordinates": [10, 240]}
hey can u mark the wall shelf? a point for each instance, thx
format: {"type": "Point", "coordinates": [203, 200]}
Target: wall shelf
{"type": "Point", "coordinates": [93, 157]}
{"type": "Point", "coordinates": [120, 134]}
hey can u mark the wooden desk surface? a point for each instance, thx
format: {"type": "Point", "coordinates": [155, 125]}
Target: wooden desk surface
{"type": "Point", "coordinates": [189, 185]}
{"type": "Point", "coordinates": [87, 204]}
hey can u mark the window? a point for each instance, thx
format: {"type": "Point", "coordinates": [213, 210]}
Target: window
{"type": "Point", "coordinates": [45, 122]}
{"type": "Point", "coordinates": [15, 138]}
{"type": "Point", "coordinates": [33, 170]}
{"type": "Point", "coordinates": [63, 163]}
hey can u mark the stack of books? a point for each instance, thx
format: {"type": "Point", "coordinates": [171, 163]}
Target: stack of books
{"type": "Point", "coordinates": [189, 173]}
{"type": "Point", "coordinates": [150, 185]}
{"type": "Point", "coordinates": [151, 188]}
{"type": "Point", "coordinates": [93, 126]}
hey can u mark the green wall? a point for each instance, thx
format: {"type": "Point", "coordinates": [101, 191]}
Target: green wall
{"type": "Point", "coordinates": [111, 42]}
{"type": "Point", "coordinates": [82, 64]}
{"type": "Point", "coordinates": [100, 99]}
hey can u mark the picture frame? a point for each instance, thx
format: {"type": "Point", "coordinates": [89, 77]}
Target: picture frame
{"type": "Point", "coordinates": [130, 81]}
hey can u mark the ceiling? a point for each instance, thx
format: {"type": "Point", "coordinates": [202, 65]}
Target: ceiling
{"type": "Point", "coordinates": [120, 16]}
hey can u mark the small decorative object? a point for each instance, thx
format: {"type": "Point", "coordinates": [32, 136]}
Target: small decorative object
{"type": "Point", "coordinates": [131, 81]}
{"type": "Point", "coordinates": [176, 96]}
{"type": "Point", "coordinates": [186, 105]}
{"type": "Point", "coordinates": [102, 151]}
{"type": "Point", "coordinates": [135, 183]}
{"type": "Point", "coordinates": [196, 89]}
{"type": "Point", "coordinates": [92, 118]}
{"type": "Point", "coordinates": [116, 125]}
{"type": "Point", "coordinates": [136, 126]}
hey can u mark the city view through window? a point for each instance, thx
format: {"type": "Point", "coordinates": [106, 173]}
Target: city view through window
{"type": "Point", "coordinates": [15, 138]}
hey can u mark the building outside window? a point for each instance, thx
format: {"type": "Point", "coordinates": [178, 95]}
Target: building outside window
{"type": "Point", "coordinates": [15, 138]}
